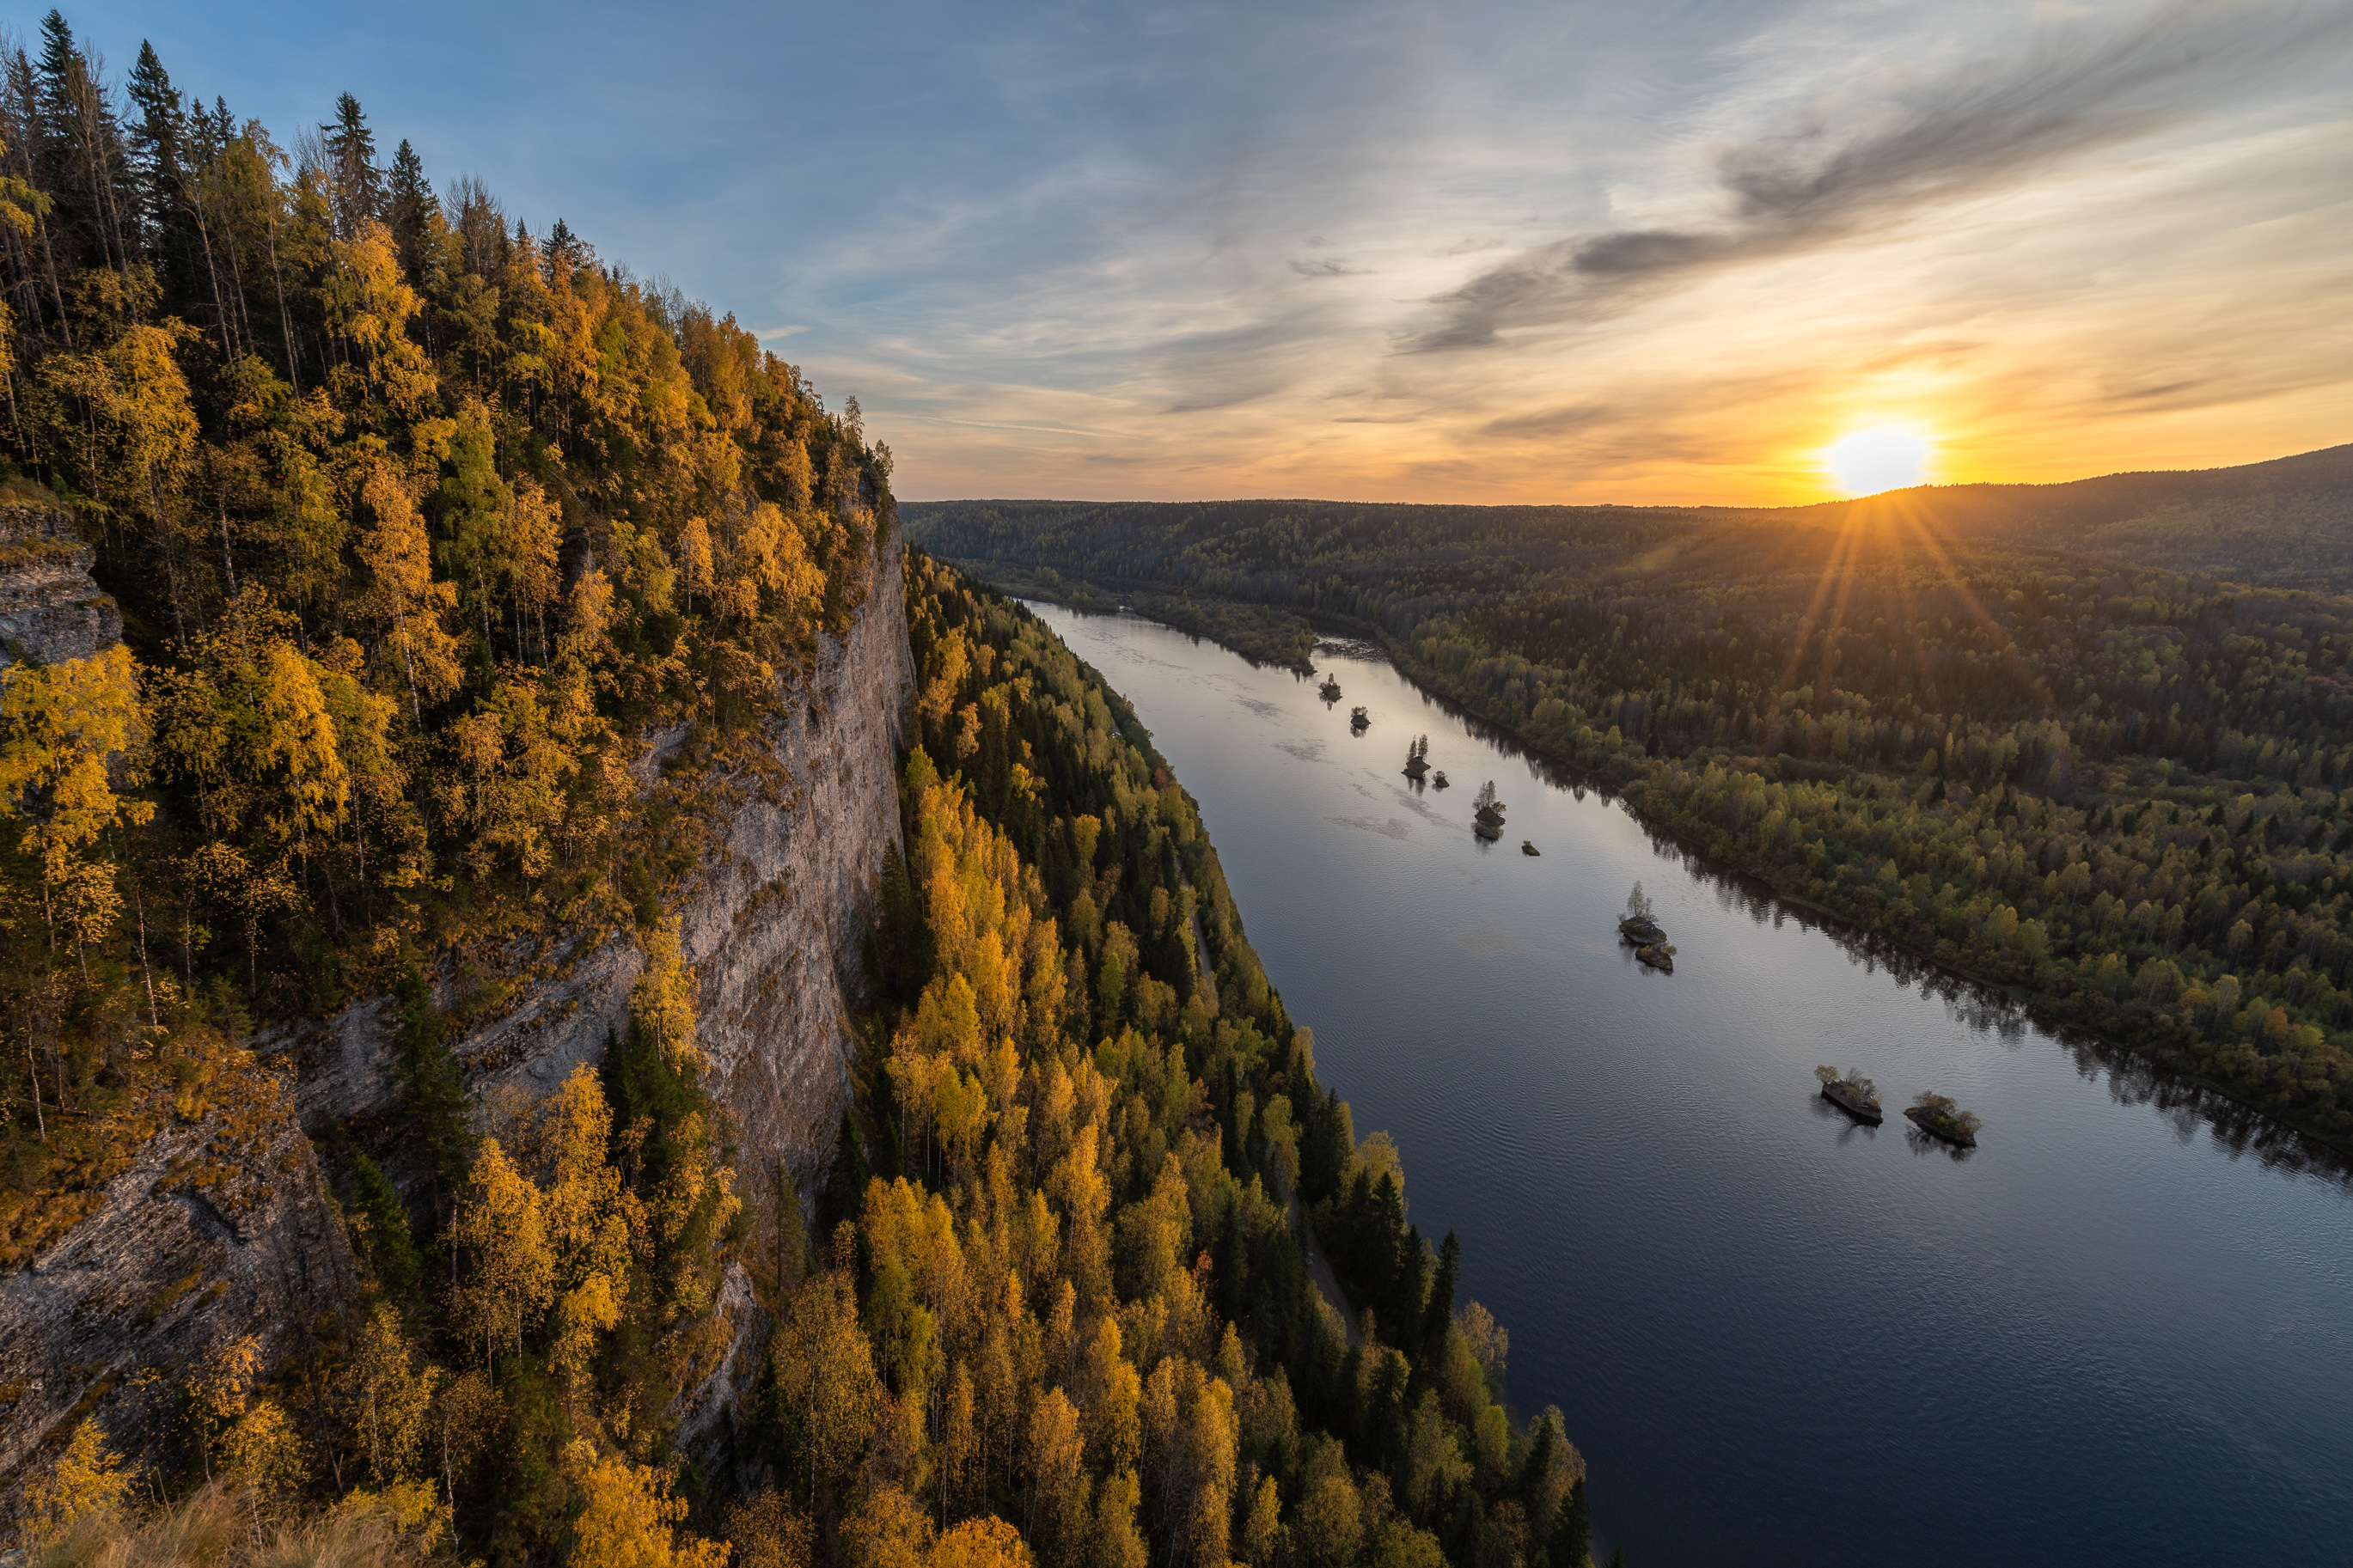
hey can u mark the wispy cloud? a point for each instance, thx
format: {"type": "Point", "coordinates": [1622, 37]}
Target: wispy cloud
{"type": "Point", "coordinates": [1854, 168]}
{"type": "Point", "coordinates": [1497, 249]}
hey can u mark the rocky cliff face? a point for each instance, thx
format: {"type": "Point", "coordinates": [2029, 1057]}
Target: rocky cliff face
{"type": "Point", "coordinates": [216, 1231]}
{"type": "Point", "coordinates": [215, 1223]}
{"type": "Point", "coordinates": [50, 610]}
{"type": "Point", "coordinates": [771, 921]}
{"type": "Point", "coordinates": [220, 1227]}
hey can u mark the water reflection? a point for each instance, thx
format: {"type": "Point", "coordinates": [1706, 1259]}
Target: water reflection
{"type": "Point", "coordinates": [2034, 1340]}
{"type": "Point", "coordinates": [2133, 1079]}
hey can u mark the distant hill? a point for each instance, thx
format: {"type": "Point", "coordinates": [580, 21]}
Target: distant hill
{"type": "Point", "coordinates": [2287, 522]}
{"type": "Point", "coordinates": [2091, 740]}
{"type": "Point", "coordinates": [2283, 523]}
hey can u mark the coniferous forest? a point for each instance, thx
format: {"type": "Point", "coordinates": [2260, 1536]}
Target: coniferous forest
{"type": "Point", "coordinates": [418, 522]}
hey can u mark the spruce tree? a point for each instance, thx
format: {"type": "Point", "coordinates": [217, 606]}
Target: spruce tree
{"type": "Point", "coordinates": [1439, 1316]}
{"type": "Point", "coordinates": [352, 172]}
{"type": "Point", "coordinates": [409, 208]}
{"type": "Point", "coordinates": [156, 136]}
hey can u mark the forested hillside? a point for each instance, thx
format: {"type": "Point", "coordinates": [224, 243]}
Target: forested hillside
{"type": "Point", "coordinates": [1079, 1306]}
{"type": "Point", "coordinates": [2117, 789]}
{"type": "Point", "coordinates": [2286, 523]}
{"type": "Point", "coordinates": [419, 521]}
{"type": "Point", "coordinates": [421, 525]}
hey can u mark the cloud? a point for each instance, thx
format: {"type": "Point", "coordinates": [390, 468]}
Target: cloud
{"type": "Point", "coordinates": [1333, 266]}
{"type": "Point", "coordinates": [1550, 422]}
{"type": "Point", "coordinates": [1844, 172]}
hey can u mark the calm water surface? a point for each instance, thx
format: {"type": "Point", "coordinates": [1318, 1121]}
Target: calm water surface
{"type": "Point", "coordinates": [2112, 1333]}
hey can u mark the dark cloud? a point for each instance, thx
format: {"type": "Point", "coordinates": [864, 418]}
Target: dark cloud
{"type": "Point", "coordinates": [1840, 176]}
{"type": "Point", "coordinates": [1204, 372]}
{"type": "Point", "coordinates": [2172, 392]}
{"type": "Point", "coordinates": [1550, 422]}
{"type": "Point", "coordinates": [1328, 266]}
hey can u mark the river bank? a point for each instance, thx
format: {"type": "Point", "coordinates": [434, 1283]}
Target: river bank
{"type": "Point", "coordinates": [1628, 775]}
{"type": "Point", "coordinates": [1678, 1229]}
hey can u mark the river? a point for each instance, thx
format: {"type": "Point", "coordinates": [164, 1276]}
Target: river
{"type": "Point", "coordinates": [2119, 1331]}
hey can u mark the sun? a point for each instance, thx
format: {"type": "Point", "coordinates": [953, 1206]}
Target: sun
{"type": "Point", "coordinates": [1882, 458]}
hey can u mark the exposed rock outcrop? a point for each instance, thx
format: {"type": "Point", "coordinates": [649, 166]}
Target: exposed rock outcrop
{"type": "Point", "coordinates": [770, 922]}
{"type": "Point", "coordinates": [219, 1226]}
{"type": "Point", "coordinates": [50, 610]}
{"type": "Point", "coordinates": [159, 1270]}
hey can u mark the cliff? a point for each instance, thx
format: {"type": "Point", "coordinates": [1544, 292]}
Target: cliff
{"type": "Point", "coordinates": [50, 610]}
{"type": "Point", "coordinates": [215, 1231]}
{"type": "Point", "coordinates": [770, 920]}
{"type": "Point", "coordinates": [220, 1226]}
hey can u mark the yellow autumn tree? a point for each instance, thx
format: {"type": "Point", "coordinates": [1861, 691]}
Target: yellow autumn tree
{"type": "Point", "coordinates": [628, 1518]}
{"type": "Point", "coordinates": [263, 1452]}
{"type": "Point", "coordinates": [59, 727]}
{"type": "Point", "coordinates": [888, 1530]}
{"type": "Point", "coordinates": [403, 599]}
{"type": "Point", "coordinates": [513, 1278]}
{"type": "Point", "coordinates": [369, 301]}
{"type": "Point", "coordinates": [594, 1224]}
{"type": "Point", "coordinates": [589, 1308]}
{"type": "Point", "coordinates": [299, 736]}
{"type": "Point", "coordinates": [386, 1397]}
{"type": "Point", "coordinates": [87, 1481]}
{"type": "Point", "coordinates": [514, 767]}
{"type": "Point", "coordinates": [825, 1371]}
{"type": "Point", "coordinates": [983, 1542]}
{"type": "Point", "coordinates": [535, 533]}
{"type": "Point", "coordinates": [125, 410]}
{"type": "Point", "coordinates": [663, 1001]}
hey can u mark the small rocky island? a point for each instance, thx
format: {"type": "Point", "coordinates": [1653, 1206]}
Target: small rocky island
{"type": "Point", "coordinates": [1487, 816]}
{"type": "Point", "coordinates": [1640, 928]}
{"type": "Point", "coordinates": [1528, 846]}
{"type": "Point", "coordinates": [1417, 757]}
{"type": "Point", "coordinates": [1438, 781]}
{"type": "Point", "coordinates": [1852, 1093]}
{"type": "Point", "coordinates": [1938, 1116]}
{"type": "Point", "coordinates": [1358, 720]}
{"type": "Point", "coordinates": [1330, 690]}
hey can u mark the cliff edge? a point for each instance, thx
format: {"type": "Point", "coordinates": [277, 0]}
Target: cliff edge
{"type": "Point", "coordinates": [50, 609]}
{"type": "Point", "coordinates": [220, 1223]}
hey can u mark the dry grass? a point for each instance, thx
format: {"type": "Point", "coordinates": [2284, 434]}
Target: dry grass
{"type": "Point", "coordinates": [223, 1528]}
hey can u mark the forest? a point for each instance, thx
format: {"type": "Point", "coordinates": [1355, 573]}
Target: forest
{"type": "Point", "coordinates": [2118, 790]}
{"type": "Point", "coordinates": [1055, 1307]}
{"type": "Point", "coordinates": [418, 522]}
{"type": "Point", "coordinates": [414, 520]}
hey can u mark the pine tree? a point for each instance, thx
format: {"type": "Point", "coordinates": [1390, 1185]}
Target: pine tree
{"type": "Point", "coordinates": [1438, 1315]}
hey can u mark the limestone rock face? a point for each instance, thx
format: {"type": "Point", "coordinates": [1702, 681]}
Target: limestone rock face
{"type": "Point", "coordinates": [770, 922]}
{"type": "Point", "coordinates": [50, 610]}
{"type": "Point", "coordinates": [165, 1267]}
{"type": "Point", "coordinates": [221, 1225]}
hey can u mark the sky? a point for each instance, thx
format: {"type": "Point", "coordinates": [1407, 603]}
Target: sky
{"type": "Point", "coordinates": [1443, 250]}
